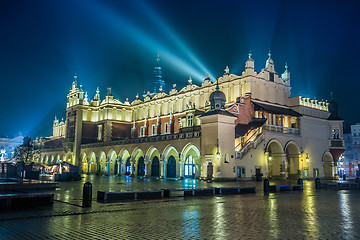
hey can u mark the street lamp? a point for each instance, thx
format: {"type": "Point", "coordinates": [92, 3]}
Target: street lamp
{"type": "Point", "coordinates": [307, 158]}
{"type": "Point", "coordinates": [217, 152]}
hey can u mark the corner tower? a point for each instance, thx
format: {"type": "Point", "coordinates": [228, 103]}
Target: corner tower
{"type": "Point", "coordinates": [217, 139]}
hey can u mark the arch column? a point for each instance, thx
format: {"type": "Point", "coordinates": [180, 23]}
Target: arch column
{"type": "Point", "coordinates": [181, 164]}
{"type": "Point", "coordinates": [283, 166]}
{"type": "Point", "coordinates": [146, 161]}
{"type": "Point", "coordinates": [162, 166]}
{"type": "Point", "coordinates": [269, 162]}
{"type": "Point", "coordinates": [132, 162]}
{"type": "Point", "coordinates": [119, 166]}
{"type": "Point", "coordinates": [88, 167]}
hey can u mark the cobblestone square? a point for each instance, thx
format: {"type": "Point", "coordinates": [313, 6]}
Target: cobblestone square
{"type": "Point", "coordinates": [308, 214]}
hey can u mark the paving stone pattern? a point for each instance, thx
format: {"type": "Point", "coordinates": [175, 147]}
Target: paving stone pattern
{"type": "Point", "coordinates": [309, 214]}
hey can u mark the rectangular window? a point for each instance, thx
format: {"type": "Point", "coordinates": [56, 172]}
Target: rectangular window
{"type": "Point", "coordinates": [316, 172]}
{"type": "Point", "coordinates": [99, 137]}
{"type": "Point", "coordinates": [336, 133]}
{"type": "Point", "coordinates": [153, 130]}
{"type": "Point", "coordinates": [141, 131]}
{"type": "Point", "coordinates": [166, 128]}
{"type": "Point", "coordinates": [271, 77]}
{"type": "Point", "coordinates": [190, 120]}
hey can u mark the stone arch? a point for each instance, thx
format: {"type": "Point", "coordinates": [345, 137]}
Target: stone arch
{"type": "Point", "coordinates": [292, 164]}
{"type": "Point", "coordinates": [46, 160]}
{"type": "Point", "coordinates": [124, 157]}
{"type": "Point", "coordinates": [68, 157]}
{"type": "Point", "coordinates": [328, 163]}
{"type": "Point", "coordinates": [92, 163]}
{"type": "Point", "coordinates": [171, 167]}
{"type": "Point", "coordinates": [276, 161]}
{"type": "Point", "coordinates": [84, 163]}
{"type": "Point", "coordinates": [111, 163]}
{"type": "Point", "coordinates": [153, 162]}
{"type": "Point", "coordinates": [58, 159]}
{"type": "Point", "coordinates": [52, 159]}
{"type": "Point", "coordinates": [137, 162]}
{"type": "Point", "coordinates": [191, 159]}
{"type": "Point", "coordinates": [101, 163]}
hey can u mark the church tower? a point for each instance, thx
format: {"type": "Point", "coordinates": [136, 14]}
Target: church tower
{"type": "Point", "coordinates": [74, 116]}
{"type": "Point", "coordinates": [158, 81]}
{"type": "Point", "coordinates": [217, 138]}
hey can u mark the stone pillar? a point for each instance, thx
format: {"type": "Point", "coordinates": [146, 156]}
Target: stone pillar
{"type": "Point", "coordinates": [181, 169]}
{"type": "Point", "coordinates": [283, 166]}
{"type": "Point", "coordinates": [269, 162]}
{"type": "Point", "coordinates": [119, 167]}
{"type": "Point", "coordinates": [162, 166]}
{"type": "Point", "coordinates": [132, 162]}
{"type": "Point", "coordinates": [146, 161]}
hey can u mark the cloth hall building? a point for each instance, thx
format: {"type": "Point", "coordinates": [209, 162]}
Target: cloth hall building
{"type": "Point", "coordinates": [240, 126]}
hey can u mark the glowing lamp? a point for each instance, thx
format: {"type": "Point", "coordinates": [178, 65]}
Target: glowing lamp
{"type": "Point", "coordinates": [270, 157]}
{"type": "Point", "coordinates": [218, 155]}
{"type": "Point", "coordinates": [307, 158]}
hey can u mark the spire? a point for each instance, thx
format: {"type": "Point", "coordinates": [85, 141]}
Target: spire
{"type": "Point", "coordinates": [286, 75]}
{"type": "Point", "coordinates": [74, 84]}
{"type": "Point", "coordinates": [190, 80]}
{"type": "Point", "coordinates": [270, 63]}
{"type": "Point", "coordinates": [157, 79]}
{"type": "Point", "coordinates": [97, 95]}
{"type": "Point", "coordinates": [250, 63]}
{"type": "Point", "coordinates": [217, 85]}
{"type": "Point", "coordinates": [227, 70]}
{"type": "Point", "coordinates": [137, 96]}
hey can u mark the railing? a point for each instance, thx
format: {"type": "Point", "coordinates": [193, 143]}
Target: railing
{"type": "Point", "coordinates": [336, 143]}
{"type": "Point", "coordinates": [249, 145]}
{"type": "Point", "coordinates": [167, 137]}
{"type": "Point", "coordinates": [280, 129]}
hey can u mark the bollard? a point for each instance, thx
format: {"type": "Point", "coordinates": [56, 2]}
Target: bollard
{"type": "Point", "coordinates": [266, 185]}
{"type": "Point", "coordinates": [317, 183]}
{"type": "Point", "coordinates": [87, 194]}
{"type": "Point", "coordinates": [300, 182]}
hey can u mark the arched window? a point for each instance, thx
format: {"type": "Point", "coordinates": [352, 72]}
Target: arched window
{"type": "Point", "coordinates": [189, 167]}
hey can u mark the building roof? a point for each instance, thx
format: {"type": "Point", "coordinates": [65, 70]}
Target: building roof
{"type": "Point", "coordinates": [218, 111]}
{"type": "Point", "coordinates": [275, 109]}
{"type": "Point", "coordinates": [241, 129]}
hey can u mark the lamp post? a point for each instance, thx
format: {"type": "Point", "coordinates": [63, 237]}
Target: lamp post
{"type": "Point", "coordinates": [217, 152]}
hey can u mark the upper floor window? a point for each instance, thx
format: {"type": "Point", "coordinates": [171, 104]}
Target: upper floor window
{"type": "Point", "coordinates": [190, 120]}
{"type": "Point", "coordinates": [166, 128]}
{"type": "Point", "coordinates": [141, 131]}
{"type": "Point", "coordinates": [153, 130]}
{"type": "Point", "coordinates": [271, 77]}
{"type": "Point", "coordinates": [99, 136]}
{"type": "Point", "coordinates": [336, 133]}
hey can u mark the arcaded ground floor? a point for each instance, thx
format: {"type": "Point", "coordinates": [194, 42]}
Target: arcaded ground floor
{"type": "Point", "coordinates": [309, 214]}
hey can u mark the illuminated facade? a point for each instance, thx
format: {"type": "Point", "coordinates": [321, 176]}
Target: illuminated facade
{"type": "Point", "coordinates": [247, 125]}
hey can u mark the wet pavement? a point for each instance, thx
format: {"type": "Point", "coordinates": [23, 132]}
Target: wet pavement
{"type": "Point", "coordinates": [307, 214]}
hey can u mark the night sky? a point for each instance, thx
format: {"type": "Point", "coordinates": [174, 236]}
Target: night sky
{"type": "Point", "coordinates": [114, 43]}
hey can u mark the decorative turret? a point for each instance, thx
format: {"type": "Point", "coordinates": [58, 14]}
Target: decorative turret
{"type": "Point", "coordinates": [270, 63]}
{"type": "Point", "coordinates": [227, 71]}
{"type": "Point", "coordinates": [97, 95]}
{"type": "Point", "coordinates": [76, 95]}
{"type": "Point", "coordinates": [250, 62]}
{"type": "Point", "coordinates": [286, 75]}
{"type": "Point", "coordinates": [217, 98]}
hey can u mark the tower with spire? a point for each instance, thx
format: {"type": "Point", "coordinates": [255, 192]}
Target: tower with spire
{"type": "Point", "coordinates": [158, 81]}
